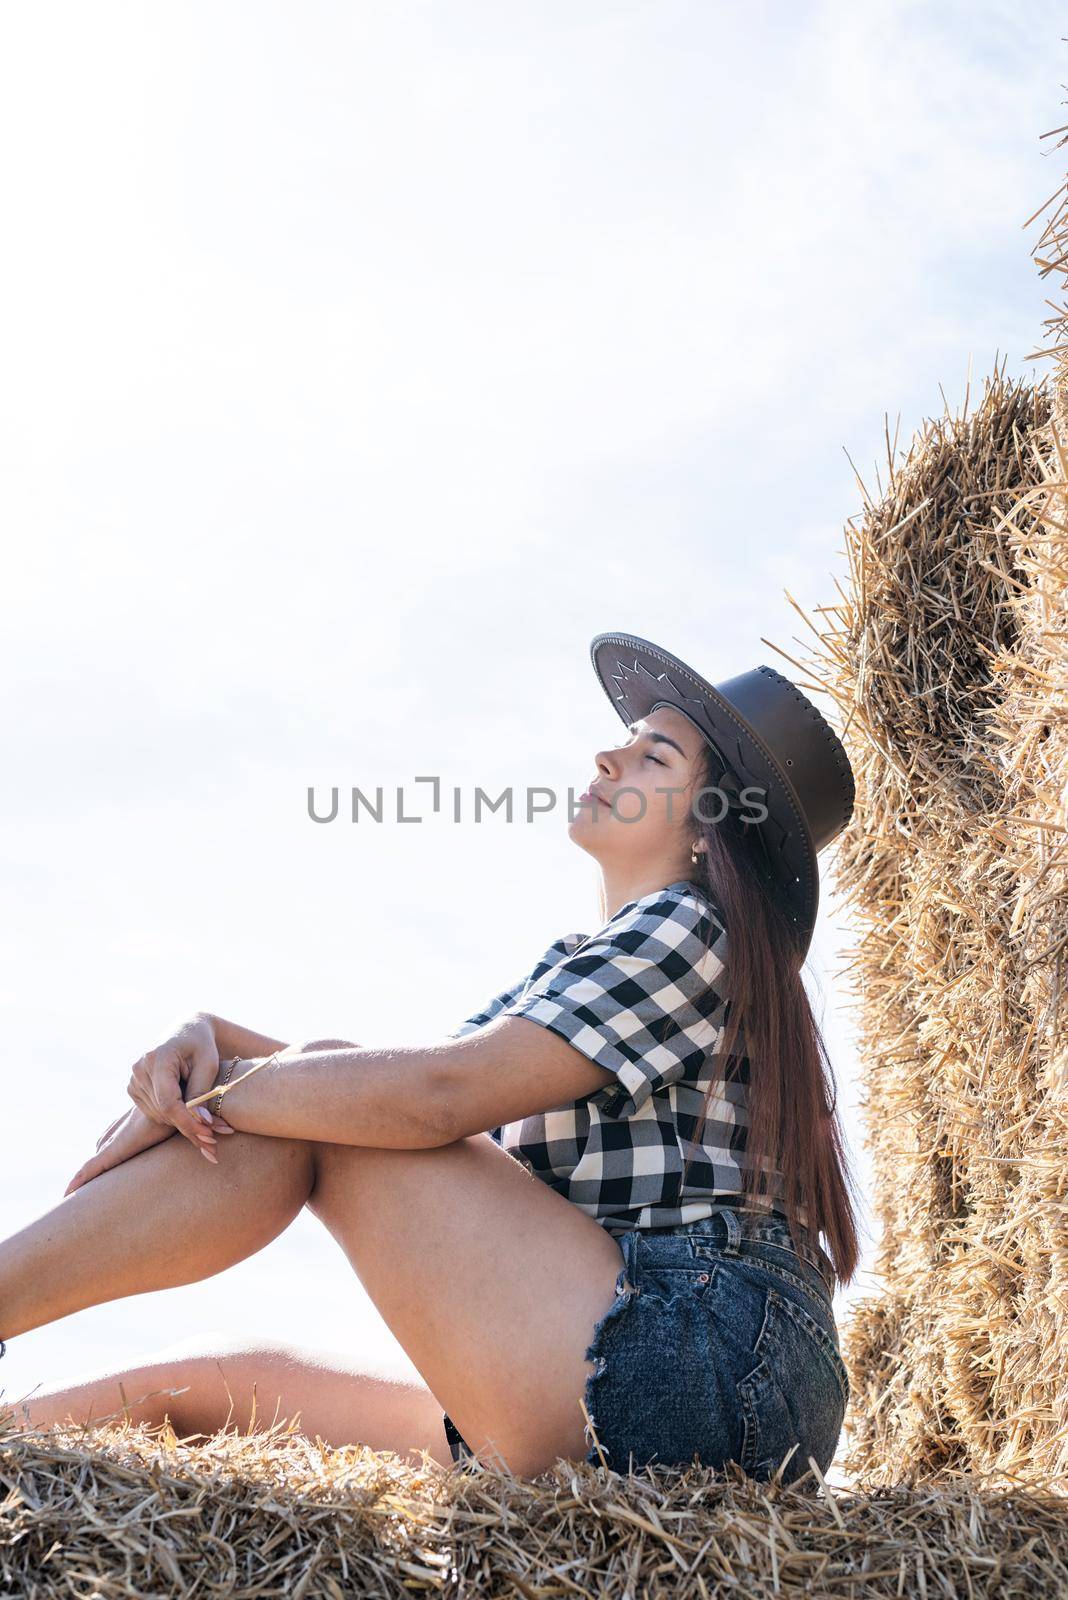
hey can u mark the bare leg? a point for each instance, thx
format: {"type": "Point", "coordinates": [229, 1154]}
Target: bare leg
{"type": "Point", "coordinates": [163, 1218]}
{"type": "Point", "coordinates": [491, 1281]}
{"type": "Point", "coordinates": [209, 1382]}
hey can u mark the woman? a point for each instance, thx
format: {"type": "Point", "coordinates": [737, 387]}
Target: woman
{"type": "Point", "coordinates": [591, 1214]}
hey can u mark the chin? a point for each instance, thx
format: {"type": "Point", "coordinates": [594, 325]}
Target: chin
{"type": "Point", "coordinates": [581, 836]}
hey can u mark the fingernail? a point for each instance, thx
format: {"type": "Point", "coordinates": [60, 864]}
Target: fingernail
{"type": "Point", "coordinates": [203, 1113]}
{"type": "Point", "coordinates": [209, 1157]}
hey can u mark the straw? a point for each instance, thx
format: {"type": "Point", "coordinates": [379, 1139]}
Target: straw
{"type": "Point", "coordinates": [129, 1509]}
{"type": "Point", "coordinates": [213, 1094]}
{"type": "Point", "coordinates": [947, 662]}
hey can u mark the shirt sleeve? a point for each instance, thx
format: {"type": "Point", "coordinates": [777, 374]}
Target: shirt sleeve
{"type": "Point", "coordinates": [558, 949]}
{"type": "Point", "coordinates": [644, 997]}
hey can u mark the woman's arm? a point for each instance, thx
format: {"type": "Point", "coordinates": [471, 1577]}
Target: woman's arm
{"type": "Point", "coordinates": [409, 1097]}
{"type": "Point", "coordinates": [388, 1098]}
{"type": "Point", "coordinates": [171, 1083]}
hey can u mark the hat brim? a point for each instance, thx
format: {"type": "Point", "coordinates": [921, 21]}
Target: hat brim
{"type": "Point", "coordinates": [637, 676]}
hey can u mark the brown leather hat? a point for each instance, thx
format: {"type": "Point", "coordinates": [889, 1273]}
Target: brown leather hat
{"type": "Point", "coordinates": [768, 737]}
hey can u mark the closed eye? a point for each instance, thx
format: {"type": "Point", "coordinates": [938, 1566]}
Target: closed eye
{"type": "Point", "coordinates": [657, 760]}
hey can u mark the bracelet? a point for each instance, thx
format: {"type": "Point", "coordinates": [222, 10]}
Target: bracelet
{"type": "Point", "coordinates": [214, 1109]}
{"type": "Point", "coordinates": [224, 1088]}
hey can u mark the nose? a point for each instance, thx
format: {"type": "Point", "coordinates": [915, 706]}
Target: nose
{"type": "Point", "coordinates": [606, 763]}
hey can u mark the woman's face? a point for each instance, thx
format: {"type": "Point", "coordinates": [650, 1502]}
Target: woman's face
{"type": "Point", "coordinates": [637, 814]}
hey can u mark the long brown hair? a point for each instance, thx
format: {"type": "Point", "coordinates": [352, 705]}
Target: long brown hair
{"type": "Point", "coordinates": [793, 1127]}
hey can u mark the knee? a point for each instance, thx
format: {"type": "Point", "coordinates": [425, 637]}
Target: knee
{"type": "Point", "coordinates": [269, 1177]}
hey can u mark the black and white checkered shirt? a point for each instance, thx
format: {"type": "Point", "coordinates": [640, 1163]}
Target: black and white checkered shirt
{"type": "Point", "coordinates": [645, 997]}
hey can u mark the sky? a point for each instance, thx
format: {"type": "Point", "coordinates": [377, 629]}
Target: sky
{"type": "Point", "coordinates": [361, 362]}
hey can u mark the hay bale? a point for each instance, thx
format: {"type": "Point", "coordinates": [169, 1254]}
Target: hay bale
{"type": "Point", "coordinates": [947, 658]}
{"type": "Point", "coordinates": [120, 1510]}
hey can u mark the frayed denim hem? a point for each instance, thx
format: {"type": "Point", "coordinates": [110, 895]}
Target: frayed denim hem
{"type": "Point", "coordinates": [626, 1295]}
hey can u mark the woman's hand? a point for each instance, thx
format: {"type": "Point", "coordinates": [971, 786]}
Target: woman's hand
{"type": "Point", "coordinates": [132, 1132]}
{"type": "Point", "coordinates": [189, 1061]}
{"type": "Point", "coordinates": [128, 1136]}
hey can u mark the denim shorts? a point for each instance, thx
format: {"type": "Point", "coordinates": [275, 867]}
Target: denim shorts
{"type": "Point", "coordinates": [720, 1345]}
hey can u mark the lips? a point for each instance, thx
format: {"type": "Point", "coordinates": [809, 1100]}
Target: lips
{"type": "Point", "coordinates": [592, 795]}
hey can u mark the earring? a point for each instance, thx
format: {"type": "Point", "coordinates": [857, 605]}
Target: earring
{"type": "Point", "coordinates": [693, 856]}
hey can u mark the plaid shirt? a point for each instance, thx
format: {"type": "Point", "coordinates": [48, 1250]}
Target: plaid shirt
{"type": "Point", "coordinates": [645, 997]}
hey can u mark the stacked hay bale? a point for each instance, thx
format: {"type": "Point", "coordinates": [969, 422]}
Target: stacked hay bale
{"type": "Point", "coordinates": [949, 662]}
{"type": "Point", "coordinates": [133, 1511]}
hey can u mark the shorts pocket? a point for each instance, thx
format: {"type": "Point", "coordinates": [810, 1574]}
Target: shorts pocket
{"type": "Point", "coordinates": [796, 1395]}
{"type": "Point", "coordinates": [667, 1282]}
{"type": "Point", "coordinates": [785, 1274]}
{"type": "Point", "coordinates": [776, 1269]}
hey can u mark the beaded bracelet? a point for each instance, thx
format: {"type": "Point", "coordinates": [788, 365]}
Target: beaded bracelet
{"type": "Point", "coordinates": [214, 1109]}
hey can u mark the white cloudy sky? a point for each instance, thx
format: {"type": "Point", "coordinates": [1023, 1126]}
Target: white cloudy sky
{"type": "Point", "coordinates": [360, 362]}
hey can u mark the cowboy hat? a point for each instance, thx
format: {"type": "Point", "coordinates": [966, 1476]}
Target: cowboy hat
{"type": "Point", "coordinates": [770, 740]}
